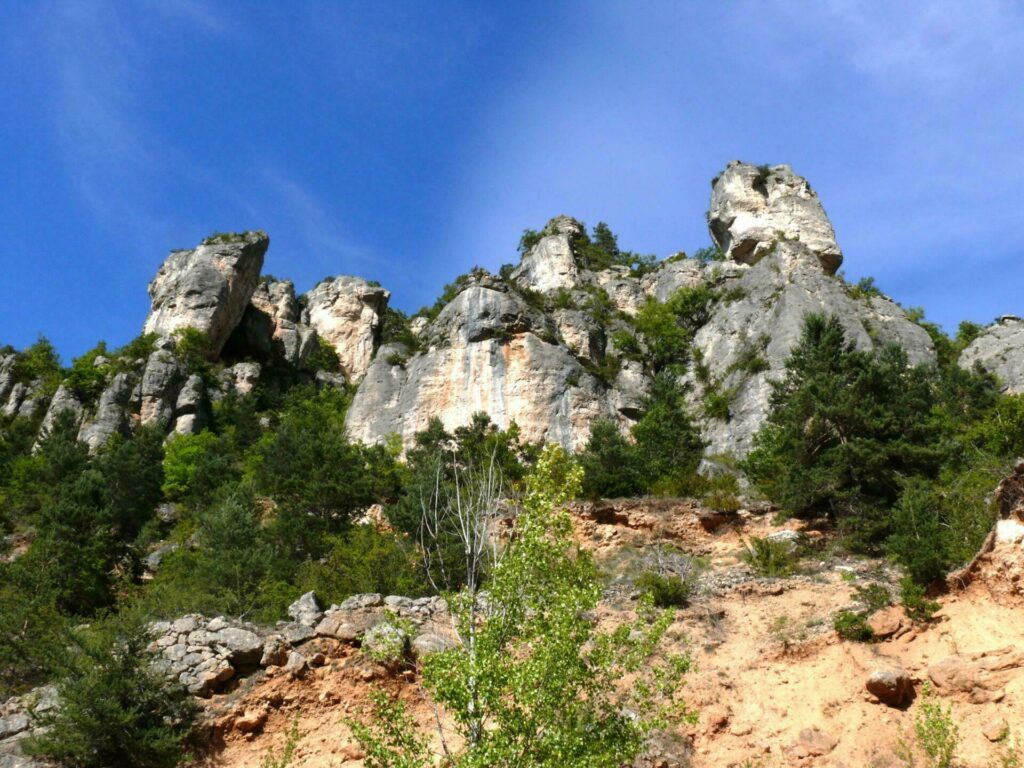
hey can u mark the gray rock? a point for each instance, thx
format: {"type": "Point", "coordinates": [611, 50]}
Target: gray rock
{"type": "Point", "coordinates": [7, 363]}
{"type": "Point", "coordinates": [296, 665]}
{"type": "Point", "coordinates": [578, 331]}
{"type": "Point", "coordinates": [306, 610]}
{"type": "Point", "coordinates": [155, 558]}
{"type": "Point", "coordinates": [999, 349]}
{"type": "Point", "coordinates": [891, 685]}
{"type": "Point", "coordinates": [190, 407]}
{"type": "Point", "coordinates": [551, 265]}
{"type": "Point", "coordinates": [430, 643]}
{"type": "Point", "coordinates": [112, 413]}
{"type": "Point", "coordinates": [624, 291]}
{"type": "Point", "coordinates": [244, 647]}
{"type": "Point", "coordinates": [64, 401]}
{"type": "Point", "coordinates": [479, 313]}
{"type": "Point", "coordinates": [207, 288]}
{"type": "Point", "coordinates": [243, 377]}
{"type": "Point", "coordinates": [760, 317]}
{"type": "Point", "coordinates": [674, 273]}
{"type": "Point", "coordinates": [366, 600]}
{"type": "Point", "coordinates": [752, 208]}
{"type": "Point", "coordinates": [161, 380]}
{"type": "Point", "coordinates": [347, 313]}
{"type": "Point", "coordinates": [17, 394]}
{"type": "Point", "coordinates": [271, 329]}
{"type": "Point", "coordinates": [385, 641]}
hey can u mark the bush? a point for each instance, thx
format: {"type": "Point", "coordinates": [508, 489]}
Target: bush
{"type": "Point", "coordinates": [612, 467]}
{"type": "Point", "coordinates": [844, 429]}
{"type": "Point", "coordinates": [668, 327]}
{"type": "Point", "coordinates": [115, 710]}
{"type": "Point", "coordinates": [915, 602]}
{"type": "Point", "coordinates": [323, 357]}
{"type": "Point", "coordinates": [769, 557]}
{"type": "Point", "coordinates": [936, 735]}
{"type": "Point", "coordinates": [853, 626]}
{"type": "Point", "coordinates": [874, 597]}
{"type": "Point", "coordinates": [668, 445]}
{"type": "Point", "coordinates": [362, 560]}
{"type": "Point", "coordinates": [195, 466]}
{"type": "Point", "coordinates": [39, 362]}
{"type": "Point", "coordinates": [666, 590]}
{"type": "Point", "coordinates": [86, 379]}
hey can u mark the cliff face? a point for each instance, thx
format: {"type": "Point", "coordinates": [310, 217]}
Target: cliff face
{"type": "Point", "coordinates": [999, 349]}
{"type": "Point", "coordinates": [552, 345]}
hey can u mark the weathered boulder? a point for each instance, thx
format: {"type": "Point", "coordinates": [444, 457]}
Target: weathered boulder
{"type": "Point", "coordinates": [241, 377]}
{"type": "Point", "coordinates": [15, 397]}
{"type": "Point", "coordinates": [757, 321]}
{"type": "Point", "coordinates": [550, 265]}
{"type": "Point", "coordinates": [981, 677]}
{"type": "Point", "coordinates": [752, 207]}
{"type": "Point", "coordinates": [672, 274]}
{"type": "Point", "coordinates": [623, 289]}
{"type": "Point", "coordinates": [271, 329]}
{"type": "Point", "coordinates": [190, 407]}
{"type": "Point", "coordinates": [306, 610]}
{"type": "Point", "coordinates": [479, 313]}
{"type": "Point", "coordinates": [347, 312]}
{"type": "Point", "coordinates": [112, 412]}
{"type": "Point", "coordinates": [207, 288]}
{"type": "Point", "coordinates": [161, 379]}
{"type": "Point", "coordinates": [7, 363]}
{"type": "Point", "coordinates": [64, 401]}
{"type": "Point", "coordinates": [999, 349]}
{"type": "Point", "coordinates": [891, 685]}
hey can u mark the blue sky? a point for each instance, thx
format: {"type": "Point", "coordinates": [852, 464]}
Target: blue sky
{"type": "Point", "coordinates": [409, 141]}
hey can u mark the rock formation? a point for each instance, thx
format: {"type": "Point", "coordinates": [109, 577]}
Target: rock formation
{"type": "Point", "coordinates": [551, 264]}
{"type": "Point", "coordinates": [207, 288]}
{"type": "Point", "coordinates": [347, 312]}
{"type": "Point", "coordinates": [754, 206]}
{"type": "Point", "coordinates": [757, 321]}
{"type": "Point", "coordinates": [1000, 350]}
{"type": "Point", "coordinates": [488, 351]}
{"type": "Point", "coordinates": [271, 329]}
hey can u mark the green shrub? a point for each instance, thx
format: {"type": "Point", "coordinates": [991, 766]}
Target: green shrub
{"type": "Point", "coordinates": [666, 590]}
{"type": "Point", "coordinates": [362, 560]}
{"type": "Point", "coordinates": [115, 710]}
{"type": "Point", "coordinates": [195, 466]}
{"type": "Point", "coordinates": [913, 598]}
{"type": "Point", "coordinates": [195, 349]}
{"type": "Point", "coordinates": [39, 362]}
{"type": "Point", "coordinates": [668, 445]}
{"type": "Point", "coordinates": [85, 379]}
{"type": "Point", "coordinates": [323, 357]}
{"type": "Point", "coordinates": [853, 626]}
{"type": "Point", "coordinates": [716, 403]}
{"type": "Point", "coordinates": [873, 596]}
{"type": "Point", "coordinates": [936, 735]}
{"type": "Point", "coordinates": [611, 465]}
{"type": "Point", "coordinates": [769, 557]}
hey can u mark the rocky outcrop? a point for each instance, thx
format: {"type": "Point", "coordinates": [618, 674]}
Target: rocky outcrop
{"type": "Point", "coordinates": [207, 288]}
{"type": "Point", "coordinates": [999, 349]}
{"type": "Point", "coordinates": [190, 407]}
{"type": "Point", "coordinates": [63, 403]}
{"type": "Point", "coordinates": [489, 351]}
{"type": "Point", "coordinates": [757, 321]}
{"type": "Point", "coordinates": [347, 312]}
{"type": "Point", "coordinates": [550, 265]}
{"type": "Point", "coordinates": [7, 375]}
{"type": "Point", "coordinates": [752, 207]}
{"type": "Point", "coordinates": [161, 379]}
{"type": "Point", "coordinates": [271, 329]}
{"type": "Point", "coordinates": [112, 413]}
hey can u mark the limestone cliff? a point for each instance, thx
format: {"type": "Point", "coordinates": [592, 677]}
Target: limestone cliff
{"type": "Point", "coordinates": [999, 349]}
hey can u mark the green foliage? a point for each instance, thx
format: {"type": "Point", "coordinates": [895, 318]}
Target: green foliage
{"type": "Point", "coordinates": [667, 590]}
{"type": "Point", "coordinates": [851, 625]}
{"type": "Point", "coordinates": [669, 446]}
{"type": "Point", "coordinates": [874, 597]}
{"type": "Point", "coordinates": [936, 736]}
{"type": "Point", "coordinates": [389, 737]}
{"type": "Point", "coordinates": [716, 403]}
{"type": "Point", "coordinates": [668, 327]}
{"type": "Point", "coordinates": [538, 672]}
{"type": "Point", "coordinates": [450, 291]}
{"type": "Point", "coordinates": [317, 476]}
{"type": "Point", "coordinates": [913, 598]}
{"type": "Point", "coordinates": [138, 348]}
{"type": "Point", "coordinates": [195, 466]}
{"type": "Point", "coordinates": [195, 349]}
{"type": "Point", "coordinates": [769, 557]}
{"type": "Point", "coordinates": [288, 753]}
{"type": "Point", "coordinates": [846, 427]}
{"type": "Point", "coordinates": [86, 379]}
{"type": "Point", "coordinates": [323, 357]}
{"type": "Point", "coordinates": [395, 329]}
{"type": "Point", "coordinates": [363, 560]}
{"type": "Point", "coordinates": [709, 254]}
{"type": "Point", "coordinates": [115, 710]}
{"type": "Point", "coordinates": [865, 288]}
{"type": "Point", "coordinates": [233, 568]}
{"type": "Point", "coordinates": [917, 540]}
{"type": "Point", "coordinates": [612, 468]}
{"type": "Point", "coordinates": [39, 362]}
